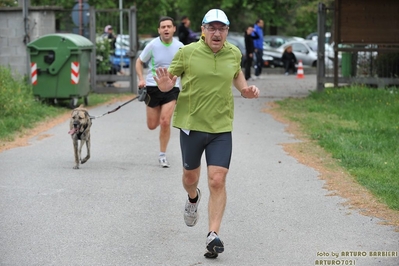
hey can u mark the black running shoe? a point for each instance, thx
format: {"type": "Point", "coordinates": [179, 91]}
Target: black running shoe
{"type": "Point", "coordinates": [214, 246]}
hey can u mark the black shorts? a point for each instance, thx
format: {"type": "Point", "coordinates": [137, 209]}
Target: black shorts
{"type": "Point", "coordinates": [218, 148]}
{"type": "Point", "coordinates": [158, 97]}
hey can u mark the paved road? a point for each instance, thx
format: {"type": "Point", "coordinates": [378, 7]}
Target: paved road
{"type": "Point", "coordinates": [120, 208]}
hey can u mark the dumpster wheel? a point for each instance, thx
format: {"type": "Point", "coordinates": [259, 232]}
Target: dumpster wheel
{"type": "Point", "coordinates": [73, 103]}
{"type": "Point", "coordinates": [86, 100]}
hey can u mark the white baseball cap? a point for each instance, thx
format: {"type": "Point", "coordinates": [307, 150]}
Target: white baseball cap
{"type": "Point", "coordinates": [215, 15]}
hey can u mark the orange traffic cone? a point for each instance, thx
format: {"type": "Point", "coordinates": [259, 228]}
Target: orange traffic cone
{"type": "Point", "coordinates": [299, 73]}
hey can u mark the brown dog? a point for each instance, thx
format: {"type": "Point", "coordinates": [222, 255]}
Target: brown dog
{"type": "Point", "coordinates": [79, 126]}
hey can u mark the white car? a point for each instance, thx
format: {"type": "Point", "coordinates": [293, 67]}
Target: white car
{"type": "Point", "coordinates": [305, 51]}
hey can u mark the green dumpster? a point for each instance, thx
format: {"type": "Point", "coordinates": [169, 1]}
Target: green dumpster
{"type": "Point", "coordinates": [346, 63]}
{"type": "Point", "coordinates": [60, 67]}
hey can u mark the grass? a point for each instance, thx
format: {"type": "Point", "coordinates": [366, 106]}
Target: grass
{"type": "Point", "coordinates": [359, 127]}
{"type": "Point", "coordinates": [20, 111]}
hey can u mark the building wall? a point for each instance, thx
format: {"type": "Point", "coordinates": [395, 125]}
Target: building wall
{"type": "Point", "coordinates": [13, 39]}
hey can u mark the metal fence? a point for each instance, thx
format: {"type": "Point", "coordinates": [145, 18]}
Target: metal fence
{"type": "Point", "coordinates": [112, 70]}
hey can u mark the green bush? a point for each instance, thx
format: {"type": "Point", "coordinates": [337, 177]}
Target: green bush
{"type": "Point", "coordinates": [18, 108]}
{"type": "Point", "coordinates": [20, 111]}
{"type": "Point", "coordinates": [103, 52]}
{"type": "Point", "coordinates": [16, 96]}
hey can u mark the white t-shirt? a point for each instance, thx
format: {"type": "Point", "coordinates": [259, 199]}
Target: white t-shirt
{"type": "Point", "coordinates": [159, 54]}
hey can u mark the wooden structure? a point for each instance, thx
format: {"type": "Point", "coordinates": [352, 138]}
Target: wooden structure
{"type": "Point", "coordinates": [367, 26]}
{"type": "Point", "coordinates": [367, 21]}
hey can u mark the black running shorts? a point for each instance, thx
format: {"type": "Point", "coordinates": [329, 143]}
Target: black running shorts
{"type": "Point", "coordinates": [158, 97]}
{"type": "Point", "coordinates": [217, 147]}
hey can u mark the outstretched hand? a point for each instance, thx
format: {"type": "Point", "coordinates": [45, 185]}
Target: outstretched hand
{"type": "Point", "coordinates": [164, 80]}
{"type": "Point", "coordinates": [250, 92]}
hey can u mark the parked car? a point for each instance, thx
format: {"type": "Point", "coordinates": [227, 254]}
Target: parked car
{"type": "Point", "coordinates": [238, 40]}
{"type": "Point", "coordinates": [276, 41]}
{"type": "Point", "coordinates": [271, 56]}
{"type": "Point", "coordinates": [314, 36]}
{"type": "Point", "coordinates": [122, 46]}
{"type": "Point", "coordinates": [122, 42]}
{"type": "Point", "coordinates": [267, 60]}
{"type": "Point", "coordinates": [305, 50]}
{"type": "Point", "coordinates": [120, 55]}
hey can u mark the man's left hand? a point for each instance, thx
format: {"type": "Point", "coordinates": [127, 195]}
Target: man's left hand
{"type": "Point", "coordinates": [250, 92]}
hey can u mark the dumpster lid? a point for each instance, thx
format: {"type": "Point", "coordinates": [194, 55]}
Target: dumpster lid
{"type": "Point", "coordinates": [73, 41]}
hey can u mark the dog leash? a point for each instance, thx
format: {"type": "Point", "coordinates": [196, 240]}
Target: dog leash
{"type": "Point", "coordinates": [141, 97]}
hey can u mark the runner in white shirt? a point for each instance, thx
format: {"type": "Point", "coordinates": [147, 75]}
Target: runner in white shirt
{"type": "Point", "coordinates": [159, 53]}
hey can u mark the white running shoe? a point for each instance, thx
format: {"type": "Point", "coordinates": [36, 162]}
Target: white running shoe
{"type": "Point", "coordinates": [191, 211]}
{"type": "Point", "coordinates": [163, 162]}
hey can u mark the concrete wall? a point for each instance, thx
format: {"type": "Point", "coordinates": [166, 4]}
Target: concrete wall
{"type": "Point", "coordinates": [13, 38]}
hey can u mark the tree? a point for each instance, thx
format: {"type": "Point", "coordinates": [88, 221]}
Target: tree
{"type": "Point", "coordinates": [286, 17]}
{"type": "Point", "coordinates": [149, 12]}
{"type": "Point", "coordinates": [306, 18]}
{"type": "Point", "coordinates": [8, 3]}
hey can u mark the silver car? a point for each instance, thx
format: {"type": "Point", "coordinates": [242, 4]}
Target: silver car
{"type": "Point", "coordinates": [305, 51]}
{"type": "Point", "coordinates": [276, 41]}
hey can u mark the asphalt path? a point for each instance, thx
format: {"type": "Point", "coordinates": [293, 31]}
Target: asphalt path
{"type": "Point", "coordinates": [121, 208]}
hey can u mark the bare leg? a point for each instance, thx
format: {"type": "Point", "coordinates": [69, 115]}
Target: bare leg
{"type": "Point", "coordinates": [217, 198]}
{"type": "Point", "coordinates": [153, 117]}
{"type": "Point", "coordinates": [161, 115]}
{"type": "Point", "coordinates": [190, 181]}
{"type": "Point", "coordinates": [166, 116]}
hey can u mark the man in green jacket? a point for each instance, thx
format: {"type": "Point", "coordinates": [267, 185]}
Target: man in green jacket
{"type": "Point", "coordinates": [204, 114]}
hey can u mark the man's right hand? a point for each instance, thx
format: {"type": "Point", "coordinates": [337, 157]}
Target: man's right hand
{"type": "Point", "coordinates": [163, 79]}
{"type": "Point", "coordinates": [141, 84]}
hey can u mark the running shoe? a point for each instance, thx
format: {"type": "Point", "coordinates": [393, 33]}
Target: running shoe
{"type": "Point", "coordinates": [163, 162]}
{"type": "Point", "coordinates": [214, 246]}
{"type": "Point", "coordinates": [191, 211]}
